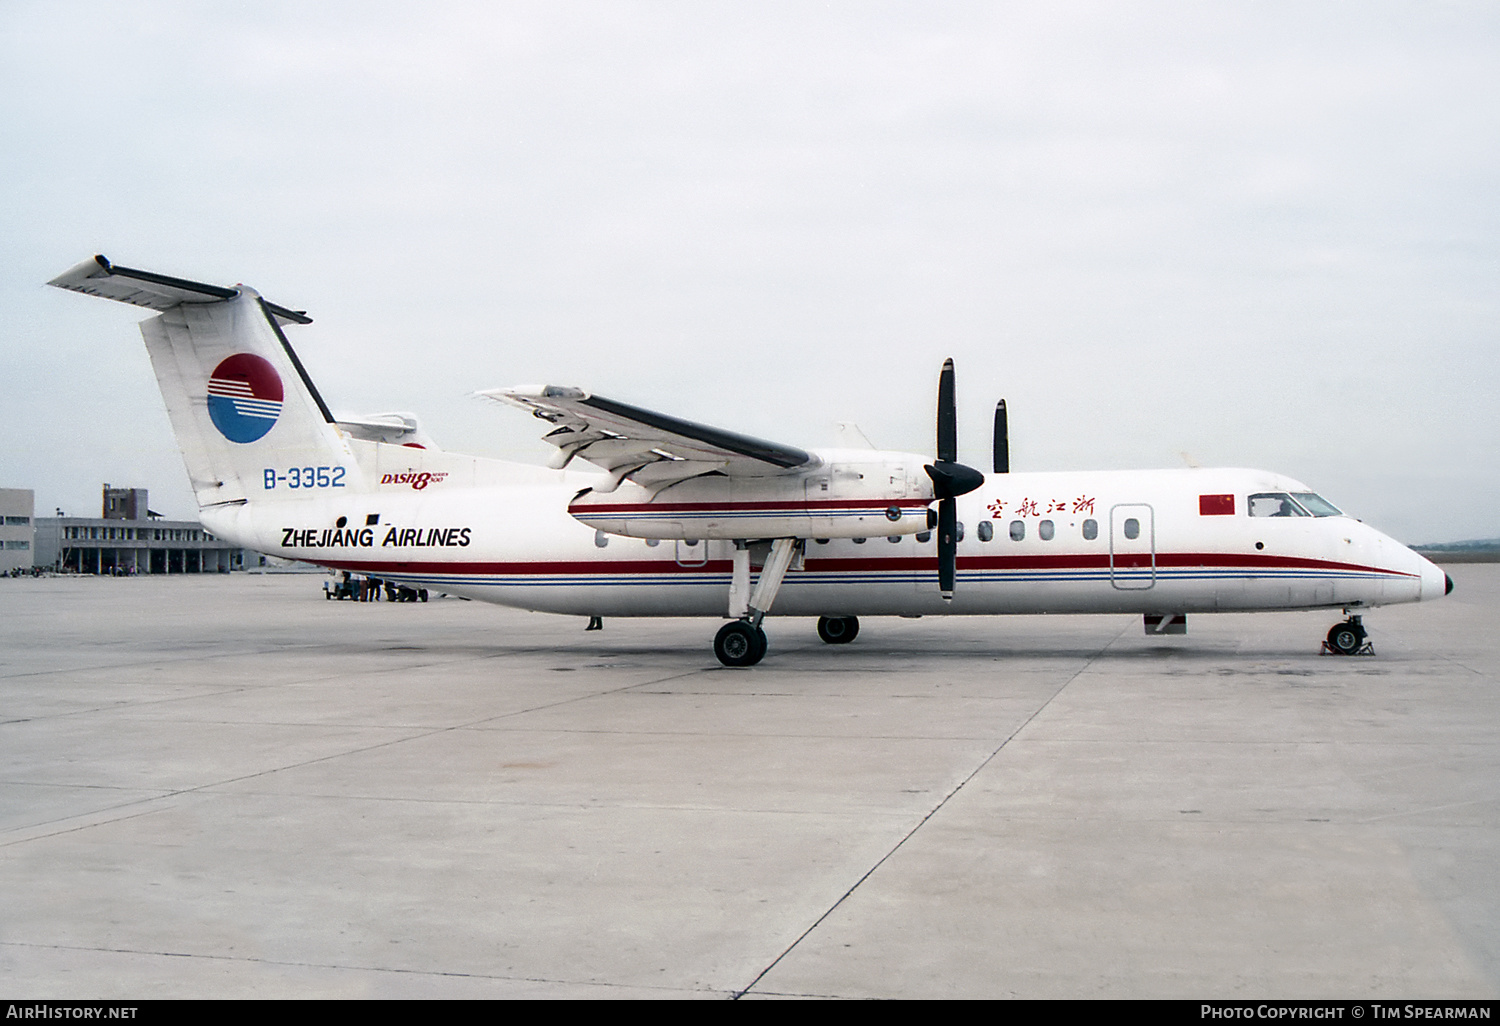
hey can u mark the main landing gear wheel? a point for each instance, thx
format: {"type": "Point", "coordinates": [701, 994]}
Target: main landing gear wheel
{"type": "Point", "coordinates": [838, 630]}
{"type": "Point", "coordinates": [740, 644]}
{"type": "Point", "coordinates": [1346, 638]}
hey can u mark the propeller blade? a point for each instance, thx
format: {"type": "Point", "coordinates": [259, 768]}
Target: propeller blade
{"type": "Point", "coordinates": [947, 416]}
{"type": "Point", "coordinates": [949, 479]}
{"type": "Point", "coordinates": [1002, 440]}
{"type": "Point", "coordinates": [947, 547]}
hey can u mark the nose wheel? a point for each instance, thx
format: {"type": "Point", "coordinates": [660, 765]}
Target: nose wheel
{"type": "Point", "coordinates": [1348, 638]}
{"type": "Point", "coordinates": [740, 643]}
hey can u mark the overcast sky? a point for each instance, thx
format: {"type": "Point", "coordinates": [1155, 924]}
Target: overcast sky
{"type": "Point", "coordinates": [1260, 234]}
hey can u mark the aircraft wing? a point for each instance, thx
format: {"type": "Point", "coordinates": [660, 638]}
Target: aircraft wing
{"type": "Point", "coordinates": [652, 449]}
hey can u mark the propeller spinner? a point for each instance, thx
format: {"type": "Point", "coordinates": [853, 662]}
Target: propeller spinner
{"type": "Point", "coordinates": [950, 479]}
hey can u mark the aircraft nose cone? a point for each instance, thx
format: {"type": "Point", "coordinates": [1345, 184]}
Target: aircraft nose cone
{"type": "Point", "coordinates": [1435, 583]}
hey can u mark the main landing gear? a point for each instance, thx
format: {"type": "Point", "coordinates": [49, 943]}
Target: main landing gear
{"type": "Point", "coordinates": [740, 643]}
{"type": "Point", "coordinates": [743, 643]}
{"type": "Point", "coordinates": [1348, 638]}
{"type": "Point", "coordinates": [838, 630]}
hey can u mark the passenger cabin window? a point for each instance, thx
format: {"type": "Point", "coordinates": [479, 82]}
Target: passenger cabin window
{"type": "Point", "coordinates": [1132, 528]}
{"type": "Point", "coordinates": [959, 534]}
{"type": "Point", "coordinates": [986, 530]}
{"type": "Point", "coordinates": [1018, 530]}
{"type": "Point", "coordinates": [1046, 530]}
{"type": "Point", "coordinates": [1090, 530]}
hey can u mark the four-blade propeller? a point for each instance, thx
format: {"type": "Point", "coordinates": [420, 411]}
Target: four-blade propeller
{"type": "Point", "coordinates": [950, 479]}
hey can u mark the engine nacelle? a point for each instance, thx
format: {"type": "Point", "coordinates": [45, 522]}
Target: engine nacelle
{"type": "Point", "coordinates": [846, 494]}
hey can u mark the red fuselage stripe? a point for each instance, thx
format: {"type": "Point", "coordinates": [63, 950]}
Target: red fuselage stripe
{"type": "Point", "coordinates": [595, 567]}
{"type": "Point", "coordinates": [665, 509]}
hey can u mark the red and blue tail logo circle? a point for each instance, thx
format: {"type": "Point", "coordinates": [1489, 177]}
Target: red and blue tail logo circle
{"type": "Point", "coordinates": [244, 397]}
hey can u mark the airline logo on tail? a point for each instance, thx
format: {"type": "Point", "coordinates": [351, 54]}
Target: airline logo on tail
{"type": "Point", "coordinates": [244, 397]}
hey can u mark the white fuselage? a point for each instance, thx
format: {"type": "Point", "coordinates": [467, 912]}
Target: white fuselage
{"type": "Point", "coordinates": [1166, 541]}
{"type": "Point", "coordinates": [678, 514]}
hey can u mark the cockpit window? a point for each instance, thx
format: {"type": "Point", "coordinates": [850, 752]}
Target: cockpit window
{"type": "Point", "coordinates": [1275, 504]}
{"type": "Point", "coordinates": [1316, 504]}
{"type": "Point", "coordinates": [1292, 504]}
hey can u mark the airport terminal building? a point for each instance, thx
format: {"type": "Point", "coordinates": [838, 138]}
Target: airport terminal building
{"type": "Point", "coordinates": [17, 529]}
{"type": "Point", "coordinates": [127, 539]}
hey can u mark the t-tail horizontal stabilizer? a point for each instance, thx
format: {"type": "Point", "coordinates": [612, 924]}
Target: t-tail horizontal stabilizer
{"type": "Point", "coordinates": [99, 277]}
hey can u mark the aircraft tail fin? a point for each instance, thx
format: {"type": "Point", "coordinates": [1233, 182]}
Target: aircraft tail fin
{"type": "Point", "coordinates": [247, 416]}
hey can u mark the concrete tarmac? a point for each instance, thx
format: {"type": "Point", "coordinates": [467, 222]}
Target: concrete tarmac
{"type": "Point", "coordinates": [230, 787]}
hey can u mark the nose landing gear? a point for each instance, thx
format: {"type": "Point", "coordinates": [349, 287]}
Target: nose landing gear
{"type": "Point", "coordinates": [1348, 638]}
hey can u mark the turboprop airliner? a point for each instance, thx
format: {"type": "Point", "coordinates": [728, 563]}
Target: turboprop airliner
{"type": "Point", "coordinates": [645, 514]}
